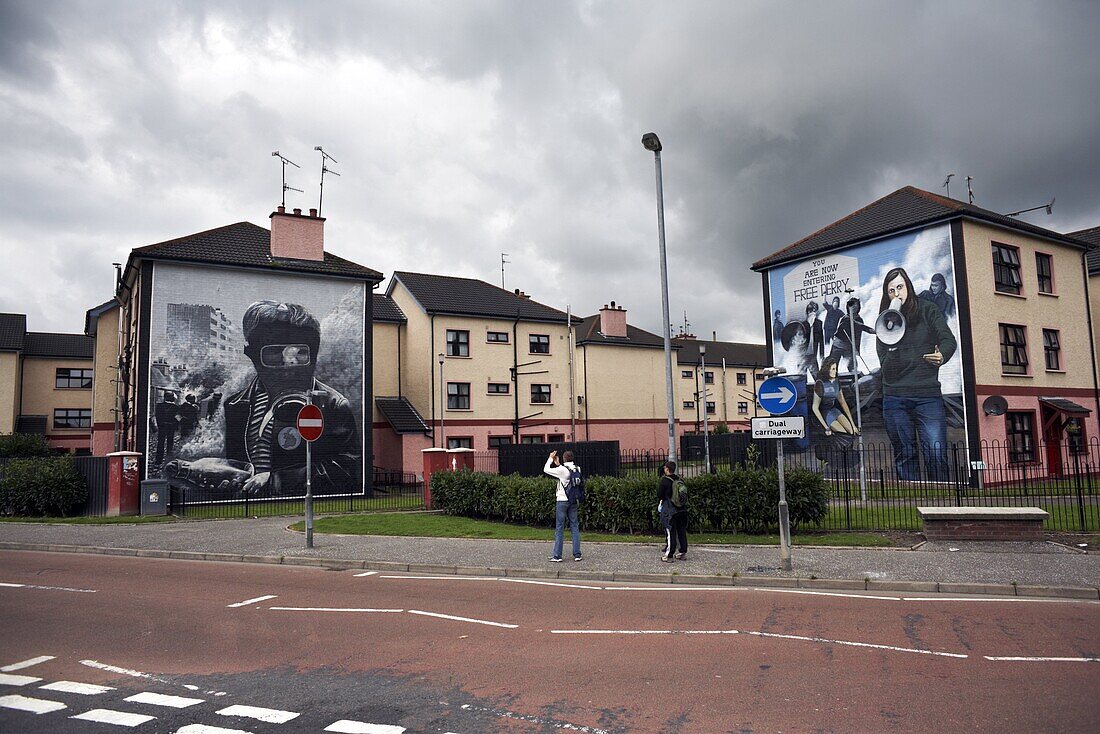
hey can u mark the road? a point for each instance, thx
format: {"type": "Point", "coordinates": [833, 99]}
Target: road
{"type": "Point", "coordinates": [207, 648]}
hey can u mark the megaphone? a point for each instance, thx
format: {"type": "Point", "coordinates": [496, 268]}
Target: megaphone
{"type": "Point", "coordinates": [890, 324]}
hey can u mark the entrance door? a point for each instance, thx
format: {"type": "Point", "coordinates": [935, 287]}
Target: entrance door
{"type": "Point", "coordinates": [1052, 438]}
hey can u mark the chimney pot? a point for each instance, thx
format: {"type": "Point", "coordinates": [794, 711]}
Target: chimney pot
{"type": "Point", "coordinates": [312, 212]}
{"type": "Point", "coordinates": [297, 212]}
{"type": "Point", "coordinates": [612, 304]}
{"type": "Point", "coordinates": [281, 209]}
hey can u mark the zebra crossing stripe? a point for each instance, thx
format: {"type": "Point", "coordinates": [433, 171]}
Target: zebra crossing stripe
{"type": "Point", "coordinates": [207, 729]}
{"type": "Point", "coordinates": [348, 726]}
{"type": "Point", "coordinates": [32, 705]}
{"type": "Point", "coordinates": [26, 663]}
{"type": "Point", "coordinates": [118, 718]}
{"type": "Point", "coordinates": [271, 716]}
{"type": "Point", "coordinates": [83, 689]}
{"type": "Point", "coordinates": [7, 679]}
{"type": "Point", "coordinates": [161, 699]}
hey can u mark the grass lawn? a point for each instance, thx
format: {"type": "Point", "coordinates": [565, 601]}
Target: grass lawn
{"type": "Point", "coordinates": [447, 526]}
{"type": "Point", "coordinates": [1063, 517]}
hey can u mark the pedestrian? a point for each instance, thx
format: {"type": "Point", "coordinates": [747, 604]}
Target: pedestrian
{"type": "Point", "coordinates": [564, 472]}
{"type": "Point", "coordinates": [672, 509]}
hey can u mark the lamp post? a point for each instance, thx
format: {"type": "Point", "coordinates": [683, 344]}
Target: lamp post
{"type": "Point", "coordinates": [706, 426]}
{"type": "Point", "coordinates": [442, 401]}
{"type": "Point", "coordinates": [855, 383]}
{"type": "Point", "coordinates": [651, 142]}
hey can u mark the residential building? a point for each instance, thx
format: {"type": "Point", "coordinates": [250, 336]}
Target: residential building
{"type": "Point", "coordinates": [728, 372]}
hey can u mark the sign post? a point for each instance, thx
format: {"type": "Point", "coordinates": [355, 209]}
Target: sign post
{"type": "Point", "coordinates": [311, 424]}
{"type": "Point", "coordinates": [777, 396]}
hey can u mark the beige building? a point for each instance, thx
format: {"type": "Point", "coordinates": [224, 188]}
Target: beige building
{"type": "Point", "coordinates": [728, 372]}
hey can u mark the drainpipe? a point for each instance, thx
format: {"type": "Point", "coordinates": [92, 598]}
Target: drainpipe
{"type": "Point", "coordinates": [431, 373]}
{"type": "Point", "coordinates": [1092, 344]}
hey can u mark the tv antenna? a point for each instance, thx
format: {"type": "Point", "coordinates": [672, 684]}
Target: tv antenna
{"type": "Point", "coordinates": [1049, 207]}
{"type": "Point", "coordinates": [503, 255]}
{"type": "Point", "coordinates": [947, 184]}
{"type": "Point", "coordinates": [325, 158]}
{"type": "Point", "coordinates": [969, 190]}
{"type": "Point", "coordinates": [286, 188]}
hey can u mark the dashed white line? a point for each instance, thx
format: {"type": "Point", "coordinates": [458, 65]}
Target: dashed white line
{"type": "Point", "coordinates": [207, 729]}
{"type": "Point", "coordinates": [349, 726]}
{"type": "Point", "coordinates": [365, 573]}
{"type": "Point", "coordinates": [10, 586]}
{"type": "Point", "coordinates": [124, 671]}
{"type": "Point", "coordinates": [1089, 659]}
{"type": "Point", "coordinates": [463, 619]}
{"type": "Point", "coordinates": [270, 716]}
{"type": "Point", "coordinates": [118, 718]}
{"type": "Point", "coordinates": [161, 699]}
{"type": "Point", "coordinates": [675, 588]}
{"type": "Point", "coordinates": [8, 679]}
{"type": "Point", "coordinates": [335, 609]}
{"type": "Point", "coordinates": [246, 602]}
{"type": "Point", "coordinates": [32, 705]}
{"type": "Point", "coordinates": [644, 632]}
{"type": "Point", "coordinates": [442, 578]}
{"type": "Point", "coordinates": [83, 689]}
{"type": "Point", "coordinates": [550, 583]}
{"type": "Point", "coordinates": [26, 663]}
{"type": "Point", "coordinates": [857, 644]}
{"type": "Point", "coordinates": [47, 588]}
{"type": "Point", "coordinates": [808, 592]}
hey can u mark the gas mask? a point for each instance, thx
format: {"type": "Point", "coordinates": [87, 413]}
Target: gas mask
{"type": "Point", "coordinates": [285, 368]}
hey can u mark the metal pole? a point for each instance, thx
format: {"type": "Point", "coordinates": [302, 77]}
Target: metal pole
{"type": "Point", "coordinates": [572, 385]}
{"type": "Point", "coordinates": [666, 330]}
{"type": "Point", "coordinates": [706, 425]}
{"type": "Point", "coordinates": [784, 515]}
{"type": "Point", "coordinates": [442, 402]}
{"type": "Point", "coordinates": [309, 487]}
{"type": "Point", "coordinates": [859, 406]}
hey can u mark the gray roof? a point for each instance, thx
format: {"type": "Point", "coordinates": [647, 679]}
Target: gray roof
{"type": "Point", "coordinates": [386, 309]}
{"type": "Point", "coordinates": [248, 245]}
{"type": "Point", "coordinates": [13, 326]}
{"type": "Point", "coordinates": [1092, 236]}
{"type": "Point", "coordinates": [1066, 406]}
{"type": "Point", "coordinates": [588, 332]}
{"type": "Point", "coordinates": [60, 346]}
{"type": "Point", "coordinates": [735, 353]}
{"type": "Point", "coordinates": [402, 415]}
{"type": "Point", "coordinates": [471, 297]}
{"type": "Point", "coordinates": [904, 209]}
{"type": "Point", "coordinates": [94, 313]}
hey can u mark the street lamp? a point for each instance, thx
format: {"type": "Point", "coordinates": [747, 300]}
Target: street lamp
{"type": "Point", "coordinates": [442, 401]}
{"type": "Point", "coordinates": [651, 142]}
{"type": "Point", "coordinates": [706, 427]}
{"type": "Point", "coordinates": [784, 512]}
{"type": "Point", "coordinates": [855, 382]}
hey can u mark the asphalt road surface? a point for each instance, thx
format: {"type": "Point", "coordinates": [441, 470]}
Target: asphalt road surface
{"type": "Point", "coordinates": [92, 643]}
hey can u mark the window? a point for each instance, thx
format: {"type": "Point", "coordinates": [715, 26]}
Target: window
{"type": "Point", "coordinates": [710, 408]}
{"type": "Point", "coordinates": [1006, 269]}
{"type": "Point", "coordinates": [496, 337]}
{"type": "Point", "coordinates": [1020, 435]}
{"type": "Point", "coordinates": [708, 378]}
{"type": "Point", "coordinates": [1052, 349]}
{"type": "Point", "coordinates": [686, 374]}
{"type": "Point", "coordinates": [460, 442]}
{"type": "Point", "coordinates": [1013, 350]}
{"type": "Point", "coordinates": [496, 442]}
{"type": "Point", "coordinates": [540, 394]}
{"type": "Point", "coordinates": [555, 438]}
{"type": "Point", "coordinates": [500, 388]}
{"type": "Point", "coordinates": [458, 343]}
{"type": "Point", "coordinates": [1044, 270]}
{"type": "Point", "coordinates": [68, 377]}
{"type": "Point", "coordinates": [689, 404]}
{"type": "Point", "coordinates": [741, 379]}
{"type": "Point", "coordinates": [539, 344]}
{"type": "Point", "coordinates": [72, 418]}
{"type": "Point", "coordinates": [743, 408]}
{"type": "Point", "coordinates": [1075, 436]}
{"type": "Point", "coordinates": [531, 439]}
{"type": "Point", "coordinates": [458, 396]}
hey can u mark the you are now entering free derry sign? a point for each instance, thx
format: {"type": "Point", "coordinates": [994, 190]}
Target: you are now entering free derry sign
{"type": "Point", "coordinates": [791, 426]}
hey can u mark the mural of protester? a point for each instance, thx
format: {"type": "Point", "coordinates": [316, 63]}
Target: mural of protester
{"type": "Point", "coordinates": [829, 406]}
{"type": "Point", "coordinates": [912, 403]}
{"type": "Point", "coordinates": [796, 341]}
{"type": "Point", "coordinates": [937, 294]}
{"type": "Point", "coordinates": [841, 345]}
{"type": "Point", "coordinates": [166, 423]}
{"type": "Point", "coordinates": [777, 325]}
{"type": "Point", "coordinates": [189, 417]}
{"type": "Point", "coordinates": [817, 332]}
{"type": "Point", "coordinates": [833, 314]}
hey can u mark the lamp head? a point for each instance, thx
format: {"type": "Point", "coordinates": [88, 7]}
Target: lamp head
{"type": "Point", "coordinates": [651, 142]}
{"type": "Point", "coordinates": [441, 359]}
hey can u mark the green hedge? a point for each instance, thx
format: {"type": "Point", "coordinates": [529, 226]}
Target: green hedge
{"type": "Point", "coordinates": [41, 486]}
{"type": "Point", "coordinates": [23, 445]}
{"type": "Point", "coordinates": [745, 499]}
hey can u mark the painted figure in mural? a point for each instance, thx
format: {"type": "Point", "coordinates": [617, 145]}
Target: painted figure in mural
{"type": "Point", "coordinates": [912, 403]}
{"type": "Point", "coordinates": [796, 341]}
{"type": "Point", "coordinates": [830, 407]}
{"type": "Point", "coordinates": [817, 333]}
{"type": "Point", "coordinates": [777, 326]}
{"type": "Point", "coordinates": [189, 417]}
{"type": "Point", "coordinates": [937, 294]}
{"type": "Point", "coordinates": [282, 340]}
{"type": "Point", "coordinates": [841, 346]}
{"type": "Point", "coordinates": [833, 314]}
{"type": "Point", "coordinates": [166, 422]}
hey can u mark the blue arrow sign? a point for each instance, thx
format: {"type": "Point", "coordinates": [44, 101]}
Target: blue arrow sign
{"type": "Point", "coordinates": [777, 395]}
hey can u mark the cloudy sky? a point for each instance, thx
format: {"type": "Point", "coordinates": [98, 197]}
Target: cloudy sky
{"type": "Point", "coordinates": [467, 129]}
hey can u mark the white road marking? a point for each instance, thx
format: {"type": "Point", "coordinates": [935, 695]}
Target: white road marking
{"type": "Point", "coordinates": [124, 671]}
{"type": "Point", "coordinates": [442, 578]}
{"type": "Point", "coordinates": [118, 718]}
{"type": "Point", "coordinates": [207, 729]}
{"type": "Point", "coordinates": [550, 583]}
{"type": "Point", "coordinates": [644, 632]}
{"type": "Point", "coordinates": [7, 679]}
{"type": "Point", "coordinates": [271, 716]}
{"type": "Point", "coordinates": [463, 619]}
{"type": "Point", "coordinates": [161, 699]}
{"type": "Point", "coordinates": [68, 686]}
{"type": "Point", "coordinates": [348, 726]}
{"type": "Point", "coordinates": [828, 593]}
{"type": "Point", "coordinates": [333, 609]}
{"type": "Point", "coordinates": [1090, 659]}
{"type": "Point", "coordinates": [33, 705]}
{"type": "Point", "coordinates": [534, 719]}
{"type": "Point", "coordinates": [26, 663]}
{"type": "Point", "coordinates": [11, 586]}
{"type": "Point", "coordinates": [996, 599]}
{"type": "Point", "coordinates": [246, 602]}
{"type": "Point", "coordinates": [47, 588]}
{"type": "Point", "coordinates": [674, 588]}
{"type": "Point", "coordinates": [857, 644]}
{"type": "Point", "coordinates": [366, 573]}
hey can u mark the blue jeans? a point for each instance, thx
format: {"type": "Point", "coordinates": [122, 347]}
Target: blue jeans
{"type": "Point", "coordinates": [567, 510]}
{"type": "Point", "coordinates": [913, 422]}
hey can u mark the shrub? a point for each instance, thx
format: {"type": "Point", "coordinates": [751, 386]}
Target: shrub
{"type": "Point", "coordinates": [41, 486]}
{"type": "Point", "coordinates": [23, 445]}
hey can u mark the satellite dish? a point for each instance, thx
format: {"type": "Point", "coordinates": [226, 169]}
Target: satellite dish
{"type": "Point", "coordinates": [890, 324]}
{"type": "Point", "coordinates": [995, 405]}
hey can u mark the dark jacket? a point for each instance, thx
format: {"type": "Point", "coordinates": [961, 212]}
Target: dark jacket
{"type": "Point", "coordinates": [905, 373]}
{"type": "Point", "coordinates": [337, 456]}
{"type": "Point", "coordinates": [664, 495]}
{"type": "Point", "coordinates": [832, 319]}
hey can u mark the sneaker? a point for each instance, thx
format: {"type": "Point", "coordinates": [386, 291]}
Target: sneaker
{"type": "Point", "coordinates": [578, 558]}
{"type": "Point", "coordinates": [666, 559]}
{"type": "Point", "coordinates": [681, 556]}
{"type": "Point", "coordinates": [555, 559]}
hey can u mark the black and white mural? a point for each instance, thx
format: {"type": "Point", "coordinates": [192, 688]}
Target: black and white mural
{"type": "Point", "coordinates": [234, 355]}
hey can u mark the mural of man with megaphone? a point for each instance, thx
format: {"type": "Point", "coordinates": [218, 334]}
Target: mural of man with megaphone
{"type": "Point", "coordinates": [913, 341]}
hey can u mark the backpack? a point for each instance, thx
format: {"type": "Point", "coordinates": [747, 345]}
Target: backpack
{"type": "Point", "coordinates": [574, 487]}
{"type": "Point", "coordinates": [679, 496]}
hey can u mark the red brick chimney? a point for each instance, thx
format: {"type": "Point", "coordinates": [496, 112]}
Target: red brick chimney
{"type": "Point", "coordinates": [613, 320]}
{"type": "Point", "coordinates": [297, 236]}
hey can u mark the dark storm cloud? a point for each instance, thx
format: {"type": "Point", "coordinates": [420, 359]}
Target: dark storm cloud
{"type": "Point", "coordinates": [469, 129]}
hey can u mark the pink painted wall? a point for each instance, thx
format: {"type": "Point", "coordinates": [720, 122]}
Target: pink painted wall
{"type": "Point", "coordinates": [296, 236]}
{"type": "Point", "coordinates": [103, 441]}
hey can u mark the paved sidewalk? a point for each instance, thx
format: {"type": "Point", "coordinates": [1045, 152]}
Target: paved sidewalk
{"type": "Point", "coordinates": [1045, 569]}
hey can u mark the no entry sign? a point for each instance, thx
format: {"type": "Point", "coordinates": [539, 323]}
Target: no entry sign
{"type": "Point", "coordinates": [311, 422]}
